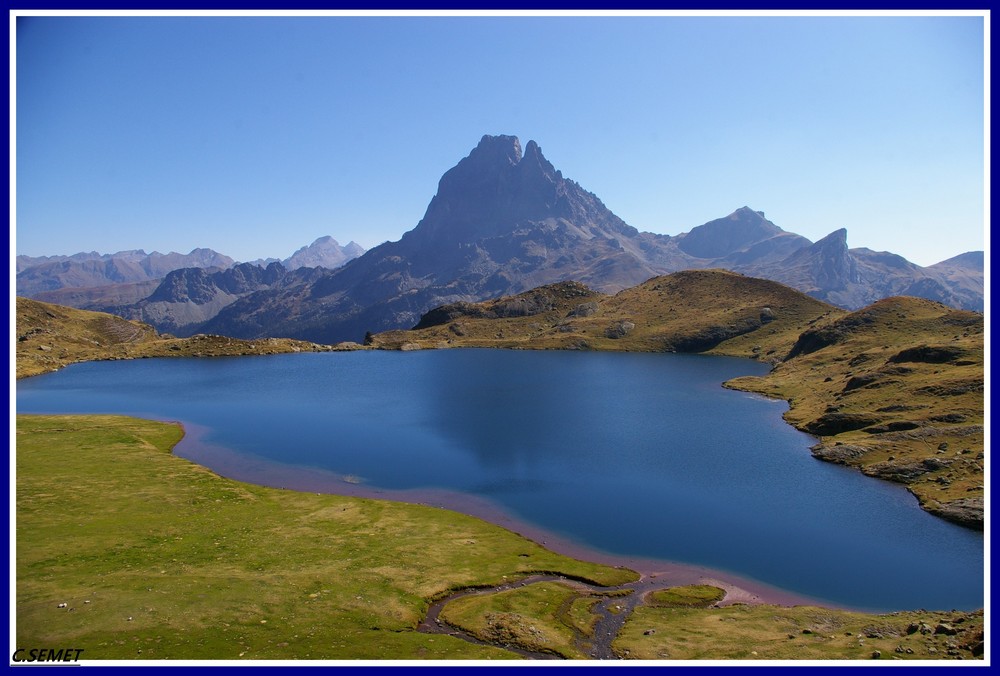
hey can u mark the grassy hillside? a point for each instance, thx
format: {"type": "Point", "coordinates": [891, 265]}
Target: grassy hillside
{"type": "Point", "coordinates": [51, 336]}
{"type": "Point", "coordinates": [711, 311]}
{"type": "Point", "coordinates": [895, 389]}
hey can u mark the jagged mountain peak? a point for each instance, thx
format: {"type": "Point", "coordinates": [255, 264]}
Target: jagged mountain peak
{"type": "Point", "coordinates": [504, 220]}
{"type": "Point", "coordinates": [837, 235]}
{"type": "Point", "coordinates": [534, 160]}
{"type": "Point", "coordinates": [837, 238]}
{"type": "Point", "coordinates": [496, 190]}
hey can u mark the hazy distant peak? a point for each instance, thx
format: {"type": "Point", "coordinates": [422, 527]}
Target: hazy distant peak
{"type": "Point", "coordinates": [324, 252]}
{"type": "Point", "coordinates": [353, 248]}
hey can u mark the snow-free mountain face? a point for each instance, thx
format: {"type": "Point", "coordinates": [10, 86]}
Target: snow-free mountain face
{"type": "Point", "coordinates": [502, 221]}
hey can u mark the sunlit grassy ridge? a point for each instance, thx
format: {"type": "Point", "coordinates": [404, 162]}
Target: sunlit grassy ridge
{"type": "Point", "coordinates": [50, 337]}
{"type": "Point", "coordinates": [694, 311]}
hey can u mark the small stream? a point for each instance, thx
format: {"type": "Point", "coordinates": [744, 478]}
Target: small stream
{"type": "Point", "coordinates": [612, 611]}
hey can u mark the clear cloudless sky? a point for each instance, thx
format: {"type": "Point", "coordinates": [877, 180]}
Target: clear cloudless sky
{"type": "Point", "coordinates": [255, 135]}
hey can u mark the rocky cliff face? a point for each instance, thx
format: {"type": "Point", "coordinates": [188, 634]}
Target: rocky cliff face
{"type": "Point", "coordinates": [852, 278]}
{"type": "Point", "coordinates": [964, 277]}
{"type": "Point", "coordinates": [189, 297]}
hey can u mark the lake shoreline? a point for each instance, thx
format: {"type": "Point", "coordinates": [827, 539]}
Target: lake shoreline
{"type": "Point", "coordinates": [260, 471]}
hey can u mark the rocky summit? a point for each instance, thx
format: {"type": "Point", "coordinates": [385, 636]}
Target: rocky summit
{"type": "Point", "coordinates": [502, 221]}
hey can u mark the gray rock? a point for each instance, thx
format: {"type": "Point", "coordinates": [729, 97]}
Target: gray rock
{"type": "Point", "coordinates": [837, 453]}
{"type": "Point", "coordinates": [964, 511]}
{"type": "Point", "coordinates": [619, 329]}
{"type": "Point", "coordinates": [583, 310]}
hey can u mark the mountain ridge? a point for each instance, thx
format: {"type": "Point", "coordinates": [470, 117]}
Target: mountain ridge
{"type": "Point", "coordinates": [63, 278]}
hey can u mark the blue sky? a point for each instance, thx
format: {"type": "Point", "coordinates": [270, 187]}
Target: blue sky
{"type": "Point", "coordinates": [256, 135]}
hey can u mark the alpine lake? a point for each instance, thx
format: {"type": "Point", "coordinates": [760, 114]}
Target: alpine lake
{"type": "Point", "coordinates": [635, 455]}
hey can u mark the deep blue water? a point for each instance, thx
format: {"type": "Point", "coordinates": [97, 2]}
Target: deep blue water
{"type": "Point", "coordinates": [636, 454]}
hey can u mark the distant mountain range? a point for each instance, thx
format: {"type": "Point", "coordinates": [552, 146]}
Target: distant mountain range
{"type": "Point", "coordinates": [82, 270]}
{"type": "Point", "coordinates": [504, 221]}
{"type": "Point", "coordinates": [105, 281]}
